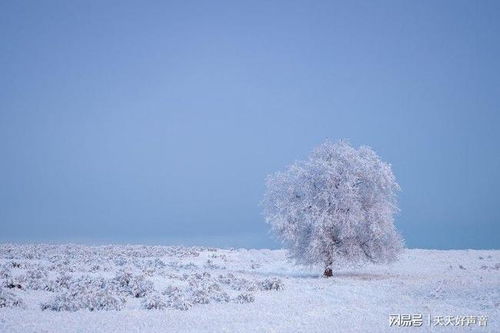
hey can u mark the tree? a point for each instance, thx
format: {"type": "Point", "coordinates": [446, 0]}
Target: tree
{"type": "Point", "coordinates": [337, 205]}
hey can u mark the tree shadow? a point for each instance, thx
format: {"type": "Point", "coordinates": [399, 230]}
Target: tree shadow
{"type": "Point", "coordinates": [336, 275]}
{"type": "Point", "coordinates": [296, 275]}
{"type": "Point", "coordinates": [362, 276]}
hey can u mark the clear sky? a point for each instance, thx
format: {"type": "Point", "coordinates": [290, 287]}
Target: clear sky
{"type": "Point", "coordinates": [157, 121]}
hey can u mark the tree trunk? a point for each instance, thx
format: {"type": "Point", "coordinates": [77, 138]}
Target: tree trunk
{"type": "Point", "coordinates": [328, 270]}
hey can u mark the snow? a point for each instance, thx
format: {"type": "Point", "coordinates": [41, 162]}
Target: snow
{"type": "Point", "coordinates": [133, 288]}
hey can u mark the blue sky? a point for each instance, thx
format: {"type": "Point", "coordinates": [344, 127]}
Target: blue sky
{"type": "Point", "coordinates": [157, 122]}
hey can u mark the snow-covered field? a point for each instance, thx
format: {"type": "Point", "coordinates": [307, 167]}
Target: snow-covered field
{"type": "Point", "coordinates": [73, 288]}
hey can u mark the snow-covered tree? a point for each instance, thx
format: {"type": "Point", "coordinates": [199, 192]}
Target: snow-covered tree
{"type": "Point", "coordinates": [338, 205]}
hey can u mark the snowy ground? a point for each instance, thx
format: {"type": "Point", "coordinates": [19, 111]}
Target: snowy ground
{"type": "Point", "coordinates": [72, 288]}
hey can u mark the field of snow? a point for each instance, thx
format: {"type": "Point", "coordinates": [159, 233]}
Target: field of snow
{"type": "Point", "coordinates": [73, 288]}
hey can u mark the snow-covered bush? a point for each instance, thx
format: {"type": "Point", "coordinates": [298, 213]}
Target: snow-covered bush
{"type": "Point", "coordinates": [272, 284]}
{"type": "Point", "coordinates": [9, 300]}
{"type": "Point", "coordinates": [338, 205]}
{"type": "Point", "coordinates": [199, 296]}
{"type": "Point", "coordinates": [69, 277]}
{"type": "Point", "coordinates": [62, 281]}
{"type": "Point", "coordinates": [86, 284]}
{"type": "Point", "coordinates": [211, 265]}
{"type": "Point", "coordinates": [156, 263]}
{"type": "Point", "coordinates": [237, 283]}
{"type": "Point", "coordinates": [220, 296]}
{"type": "Point", "coordinates": [36, 279]}
{"type": "Point", "coordinates": [15, 264]}
{"type": "Point", "coordinates": [198, 278]}
{"type": "Point", "coordinates": [14, 282]}
{"type": "Point", "coordinates": [120, 261]}
{"type": "Point", "coordinates": [176, 298]}
{"type": "Point", "coordinates": [4, 272]}
{"type": "Point", "coordinates": [153, 302]}
{"type": "Point", "coordinates": [204, 289]}
{"type": "Point", "coordinates": [85, 292]}
{"type": "Point", "coordinates": [135, 285]}
{"type": "Point", "coordinates": [255, 266]}
{"type": "Point", "coordinates": [244, 298]}
{"type": "Point", "coordinates": [90, 300]}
